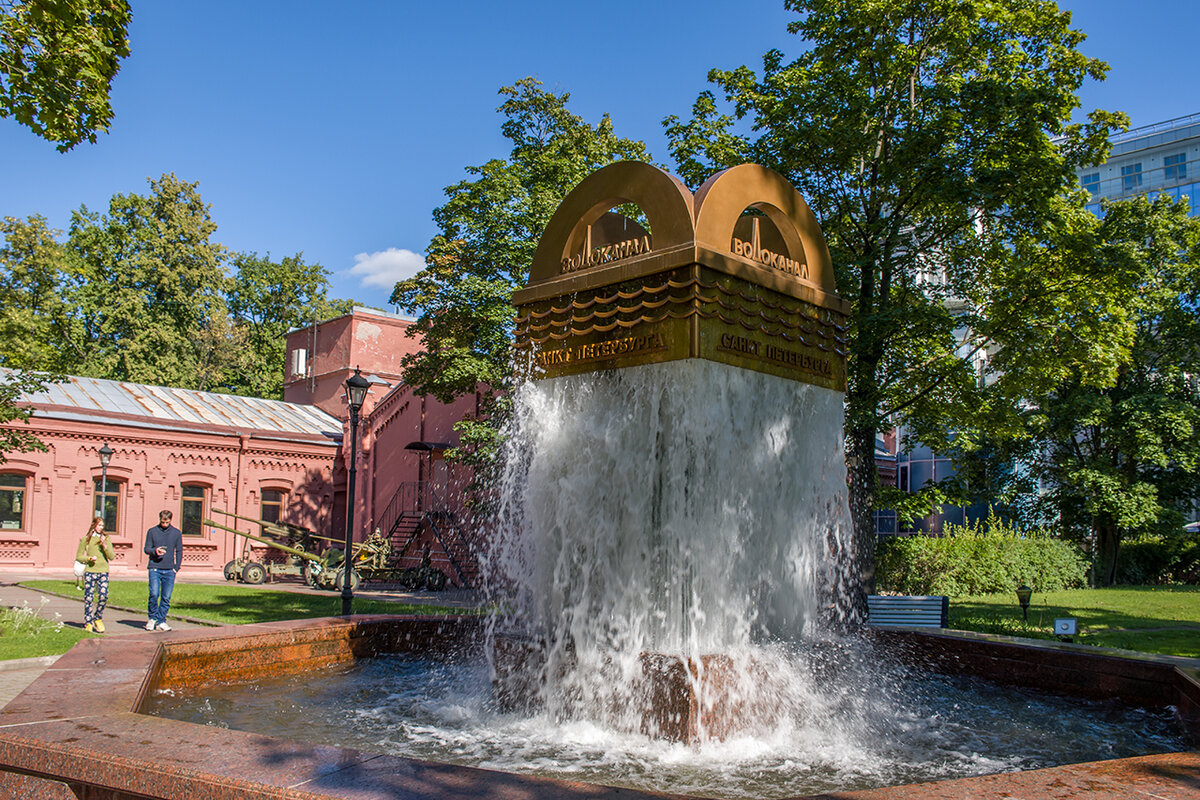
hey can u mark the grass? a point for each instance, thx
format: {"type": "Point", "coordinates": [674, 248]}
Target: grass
{"type": "Point", "coordinates": [1149, 619]}
{"type": "Point", "coordinates": [239, 605]}
{"type": "Point", "coordinates": [25, 634]}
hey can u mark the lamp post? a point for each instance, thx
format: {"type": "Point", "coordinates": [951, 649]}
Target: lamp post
{"type": "Point", "coordinates": [356, 393]}
{"type": "Point", "coordinates": [1023, 595]}
{"type": "Point", "coordinates": [106, 454]}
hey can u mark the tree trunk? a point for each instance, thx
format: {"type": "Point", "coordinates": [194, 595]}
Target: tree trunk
{"type": "Point", "coordinates": [1108, 541]}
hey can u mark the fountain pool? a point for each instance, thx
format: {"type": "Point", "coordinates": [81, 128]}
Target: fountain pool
{"type": "Point", "coordinates": [914, 727]}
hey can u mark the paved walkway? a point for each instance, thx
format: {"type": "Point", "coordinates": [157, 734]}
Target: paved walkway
{"type": "Point", "coordinates": [16, 674]}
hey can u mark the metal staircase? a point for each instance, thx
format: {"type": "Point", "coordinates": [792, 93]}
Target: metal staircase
{"type": "Point", "coordinates": [416, 507]}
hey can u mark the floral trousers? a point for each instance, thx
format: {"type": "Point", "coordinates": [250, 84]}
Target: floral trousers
{"type": "Point", "coordinates": [95, 595]}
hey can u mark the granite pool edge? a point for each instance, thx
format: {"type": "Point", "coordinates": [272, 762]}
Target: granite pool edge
{"type": "Point", "coordinates": [77, 726]}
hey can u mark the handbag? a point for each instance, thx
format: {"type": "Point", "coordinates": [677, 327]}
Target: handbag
{"type": "Point", "coordinates": [80, 568]}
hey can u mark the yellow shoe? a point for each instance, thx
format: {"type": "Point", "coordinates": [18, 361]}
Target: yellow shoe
{"type": "Point", "coordinates": [99, 625]}
{"type": "Point", "coordinates": [87, 626]}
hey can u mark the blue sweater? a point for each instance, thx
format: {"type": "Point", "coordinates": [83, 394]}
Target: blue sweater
{"type": "Point", "coordinates": [169, 537]}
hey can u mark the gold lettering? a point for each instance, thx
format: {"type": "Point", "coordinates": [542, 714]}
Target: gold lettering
{"type": "Point", "coordinates": [754, 252]}
{"type": "Point", "coordinates": [595, 256]}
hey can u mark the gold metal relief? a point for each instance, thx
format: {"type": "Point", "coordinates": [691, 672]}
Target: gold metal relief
{"type": "Point", "coordinates": [606, 291]}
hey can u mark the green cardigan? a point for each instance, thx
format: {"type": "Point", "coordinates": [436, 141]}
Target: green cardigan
{"type": "Point", "coordinates": [89, 546]}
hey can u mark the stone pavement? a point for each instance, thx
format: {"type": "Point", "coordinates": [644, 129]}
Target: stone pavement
{"type": "Point", "coordinates": [17, 674]}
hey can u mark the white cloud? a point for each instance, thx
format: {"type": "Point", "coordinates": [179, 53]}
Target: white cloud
{"type": "Point", "coordinates": [386, 267]}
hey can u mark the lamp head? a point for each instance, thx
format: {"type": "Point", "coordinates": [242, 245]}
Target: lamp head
{"type": "Point", "coordinates": [106, 454]}
{"type": "Point", "coordinates": [1023, 595]}
{"type": "Point", "coordinates": [356, 391]}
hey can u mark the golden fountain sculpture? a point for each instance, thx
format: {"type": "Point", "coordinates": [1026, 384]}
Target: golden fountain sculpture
{"type": "Point", "coordinates": [737, 273]}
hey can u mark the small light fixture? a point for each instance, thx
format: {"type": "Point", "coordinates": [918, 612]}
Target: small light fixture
{"type": "Point", "coordinates": [1023, 595]}
{"type": "Point", "coordinates": [356, 391]}
{"type": "Point", "coordinates": [106, 454]}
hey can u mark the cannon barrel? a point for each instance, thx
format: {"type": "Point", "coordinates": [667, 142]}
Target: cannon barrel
{"type": "Point", "coordinates": [296, 551]}
{"type": "Point", "coordinates": [296, 530]}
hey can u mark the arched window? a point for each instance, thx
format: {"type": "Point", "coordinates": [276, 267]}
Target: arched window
{"type": "Point", "coordinates": [192, 509]}
{"type": "Point", "coordinates": [272, 504]}
{"type": "Point", "coordinates": [108, 503]}
{"type": "Point", "coordinates": [13, 500]}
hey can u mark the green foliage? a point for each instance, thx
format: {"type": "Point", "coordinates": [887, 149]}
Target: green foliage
{"type": "Point", "coordinates": [13, 385]}
{"type": "Point", "coordinates": [268, 299]}
{"type": "Point", "coordinates": [978, 559]}
{"type": "Point", "coordinates": [1160, 559]}
{"type": "Point", "coordinates": [921, 134]}
{"type": "Point", "coordinates": [57, 62]}
{"type": "Point", "coordinates": [149, 294]}
{"type": "Point", "coordinates": [488, 230]}
{"type": "Point", "coordinates": [1100, 410]}
{"type": "Point", "coordinates": [144, 294]}
{"type": "Point", "coordinates": [24, 633]}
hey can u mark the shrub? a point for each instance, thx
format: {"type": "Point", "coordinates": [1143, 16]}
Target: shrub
{"type": "Point", "coordinates": [1154, 559]}
{"type": "Point", "coordinates": [981, 558]}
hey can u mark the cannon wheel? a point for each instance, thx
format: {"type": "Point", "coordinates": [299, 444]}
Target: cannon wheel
{"type": "Point", "coordinates": [232, 571]}
{"type": "Point", "coordinates": [312, 575]}
{"type": "Point", "coordinates": [341, 577]}
{"type": "Point", "coordinates": [254, 573]}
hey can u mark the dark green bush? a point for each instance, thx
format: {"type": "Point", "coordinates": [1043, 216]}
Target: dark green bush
{"type": "Point", "coordinates": [1152, 559]}
{"type": "Point", "coordinates": [983, 558]}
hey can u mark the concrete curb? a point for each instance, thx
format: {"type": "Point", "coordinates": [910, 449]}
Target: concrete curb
{"type": "Point", "coordinates": [37, 662]}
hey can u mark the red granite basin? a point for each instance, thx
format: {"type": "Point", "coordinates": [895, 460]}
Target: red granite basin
{"type": "Point", "coordinates": [76, 731]}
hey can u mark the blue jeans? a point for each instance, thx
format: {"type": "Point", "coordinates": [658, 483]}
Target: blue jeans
{"type": "Point", "coordinates": [162, 582]}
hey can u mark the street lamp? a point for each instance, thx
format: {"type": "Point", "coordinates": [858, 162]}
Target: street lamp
{"type": "Point", "coordinates": [356, 393]}
{"type": "Point", "coordinates": [1023, 595]}
{"type": "Point", "coordinates": [106, 454]}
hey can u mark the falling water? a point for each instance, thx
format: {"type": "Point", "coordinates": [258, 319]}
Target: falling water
{"type": "Point", "coordinates": [687, 509]}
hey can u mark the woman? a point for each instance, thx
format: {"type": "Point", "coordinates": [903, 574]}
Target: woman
{"type": "Point", "coordinates": [95, 550]}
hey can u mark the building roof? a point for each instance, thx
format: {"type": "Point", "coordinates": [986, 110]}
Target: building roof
{"type": "Point", "coordinates": [95, 399]}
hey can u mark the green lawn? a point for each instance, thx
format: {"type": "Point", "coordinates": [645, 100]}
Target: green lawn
{"type": "Point", "coordinates": [1149, 619]}
{"type": "Point", "coordinates": [24, 635]}
{"type": "Point", "coordinates": [239, 605]}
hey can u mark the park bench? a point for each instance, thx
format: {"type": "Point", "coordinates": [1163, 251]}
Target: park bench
{"type": "Point", "coordinates": [922, 612]}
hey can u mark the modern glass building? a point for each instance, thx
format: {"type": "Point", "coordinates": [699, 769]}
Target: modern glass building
{"type": "Point", "coordinates": [1164, 157]}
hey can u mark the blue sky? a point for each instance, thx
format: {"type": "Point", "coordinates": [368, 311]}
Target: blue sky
{"type": "Point", "coordinates": [333, 129]}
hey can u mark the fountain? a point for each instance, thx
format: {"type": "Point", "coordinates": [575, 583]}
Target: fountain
{"type": "Point", "coordinates": [686, 377]}
{"type": "Point", "coordinates": [668, 569]}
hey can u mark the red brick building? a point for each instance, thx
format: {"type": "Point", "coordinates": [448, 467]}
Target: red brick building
{"type": "Point", "coordinates": [187, 451]}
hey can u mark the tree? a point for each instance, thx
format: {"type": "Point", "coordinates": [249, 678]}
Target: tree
{"type": "Point", "coordinates": [57, 62]}
{"type": "Point", "coordinates": [1111, 450]}
{"type": "Point", "coordinates": [149, 290]}
{"type": "Point", "coordinates": [268, 299]}
{"type": "Point", "coordinates": [33, 267]}
{"type": "Point", "coordinates": [925, 135]}
{"type": "Point", "coordinates": [14, 385]}
{"type": "Point", "coordinates": [488, 231]}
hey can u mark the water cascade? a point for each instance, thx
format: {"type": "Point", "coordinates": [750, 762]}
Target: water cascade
{"type": "Point", "coordinates": [675, 498]}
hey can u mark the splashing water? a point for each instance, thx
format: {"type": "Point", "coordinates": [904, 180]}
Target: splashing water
{"type": "Point", "coordinates": [687, 509]}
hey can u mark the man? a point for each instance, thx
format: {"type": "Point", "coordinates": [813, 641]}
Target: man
{"type": "Point", "coordinates": [164, 545]}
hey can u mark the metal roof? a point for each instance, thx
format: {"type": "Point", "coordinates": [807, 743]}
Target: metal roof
{"type": "Point", "coordinates": [92, 398]}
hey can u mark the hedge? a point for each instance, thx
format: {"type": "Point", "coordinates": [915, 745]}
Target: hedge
{"type": "Point", "coordinates": [985, 558]}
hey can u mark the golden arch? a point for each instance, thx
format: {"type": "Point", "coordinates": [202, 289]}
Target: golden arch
{"type": "Point", "coordinates": [720, 201]}
{"type": "Point", "coordinates": [663, 198]}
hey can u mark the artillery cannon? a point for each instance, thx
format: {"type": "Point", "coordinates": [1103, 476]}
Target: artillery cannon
{"type": "Point", "coordinates": [322, 571]}
{"type": "Point", "coordinates": [372, 559]}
